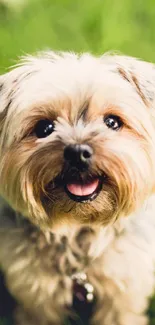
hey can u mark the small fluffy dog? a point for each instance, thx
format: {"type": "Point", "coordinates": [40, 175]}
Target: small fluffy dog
{"type": "Point", "coordinates": [77, 181]}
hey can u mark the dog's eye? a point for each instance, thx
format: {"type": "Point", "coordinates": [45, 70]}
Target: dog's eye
{"type": "Point", "coordinates": [113, 122]}
{"type": "Point", "coordinates": [44, 128]}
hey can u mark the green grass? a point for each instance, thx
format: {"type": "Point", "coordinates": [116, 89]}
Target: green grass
{"type": "Point", "coordinates": [5, 321]}
{"type": "Point", "coordinates": [151, 311]}
{"type": "Point", "coordinates": [82, 25]}
{"type": "Point", "coordinates": [78, 25]}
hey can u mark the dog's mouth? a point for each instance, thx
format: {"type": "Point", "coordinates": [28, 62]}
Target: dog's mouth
{"type": "Point", "coordinates": [84, 191]}
{"type": "Point", "coordinates": [79, 187]}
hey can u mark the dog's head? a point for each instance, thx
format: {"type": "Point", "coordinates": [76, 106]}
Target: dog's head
{"type": "Point", "coordinates": [77, 137]}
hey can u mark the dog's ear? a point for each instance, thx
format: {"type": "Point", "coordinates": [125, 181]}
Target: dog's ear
{"type": "Point", "coordinates": [5, 99]}
{"type": "Point", "coordinates": [140, 74]}
{"type": "Point", "coordinates": [3, 105]}
{"type": "Point", "coordinates": [2, 82]}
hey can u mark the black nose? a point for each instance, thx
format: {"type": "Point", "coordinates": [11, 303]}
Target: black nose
{"type": "Point", "coordinates": [78, 155]}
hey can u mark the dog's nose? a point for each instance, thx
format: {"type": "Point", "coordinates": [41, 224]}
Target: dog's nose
{"type": "Point", "coordinates": [78, 155]}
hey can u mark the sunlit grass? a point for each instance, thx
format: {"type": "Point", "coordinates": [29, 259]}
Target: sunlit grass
{"type": "Point", "coordinates": [90, 25]}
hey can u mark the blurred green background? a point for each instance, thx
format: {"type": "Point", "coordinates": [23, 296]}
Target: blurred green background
{"type": "Point", "coordinates": [78, 25]}
{"type": "Point", "coordinates": [127, 26]}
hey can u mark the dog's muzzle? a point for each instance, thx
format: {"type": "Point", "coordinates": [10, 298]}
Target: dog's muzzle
{"type": "Point", "coordinates": [78, 186]}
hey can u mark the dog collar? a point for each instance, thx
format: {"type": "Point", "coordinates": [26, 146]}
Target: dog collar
{"type": "Point", "coordinates": [82, 288]}
{"type": "Point", "coordinates": [83, 300]}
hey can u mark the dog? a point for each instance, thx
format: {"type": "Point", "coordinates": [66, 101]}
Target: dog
{"type": "Point", "coordinates": [77, 186]}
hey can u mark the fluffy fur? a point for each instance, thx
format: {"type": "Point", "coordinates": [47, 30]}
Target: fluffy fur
{"type": "Point", "coordinates": [46, 238]}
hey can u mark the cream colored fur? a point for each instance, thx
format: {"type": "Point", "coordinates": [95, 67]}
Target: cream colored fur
{"type": "Point", "coordinates": [117, 251]}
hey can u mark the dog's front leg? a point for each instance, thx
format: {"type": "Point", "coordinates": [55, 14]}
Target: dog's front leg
{"type": "Point", "coordinates": [33, 268]}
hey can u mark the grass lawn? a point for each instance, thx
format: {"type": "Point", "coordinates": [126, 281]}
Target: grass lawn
{"type": "Point", "coordinates": [82, 25]}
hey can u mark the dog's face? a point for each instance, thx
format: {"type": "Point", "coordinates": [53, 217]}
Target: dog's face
{"type": "Point", "coordinates": [77, 138]}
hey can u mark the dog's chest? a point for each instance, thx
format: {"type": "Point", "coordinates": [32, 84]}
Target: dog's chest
{"type": "Point", "coordinates": [69, 261]}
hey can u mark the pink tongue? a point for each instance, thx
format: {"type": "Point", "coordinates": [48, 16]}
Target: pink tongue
{"type": "Point", "coordinates": [82, 190]}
